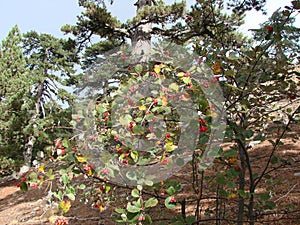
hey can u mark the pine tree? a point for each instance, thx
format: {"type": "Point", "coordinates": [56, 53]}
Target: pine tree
{"type": "Point", "coordinates": [15, 85]}
{"type": "Point", "coordinates": [35, 105]}
{"type": "Point", "coordinates": [50, 60]}
{"type": "Point", "coordinates": [97, 21]}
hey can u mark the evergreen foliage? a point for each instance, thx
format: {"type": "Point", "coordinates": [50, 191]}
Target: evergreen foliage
{"type": "Point", "coordinates": [15, 82]}
{"type": "Point", "coordinates": [35, 69]}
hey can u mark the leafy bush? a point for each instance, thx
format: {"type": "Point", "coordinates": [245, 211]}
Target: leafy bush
{"type": "Point", "coordinates": [8, 165]}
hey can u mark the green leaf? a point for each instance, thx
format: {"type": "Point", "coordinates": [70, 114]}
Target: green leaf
{"type": "Point", "coordinates": [168, 204]}
{"type": "Point", "coordinates": [230, 153]}
{"type": "Point", "coordinates": [274, 160]}
{"type": "Point", "coordinates": [59, 195]}
{"type": "Point", "coordinates": [138, 203]}
{"type": "Point", "coordinates": [259, 137]}
{"type": "Point", "coordinates": [62, 171]}
{"type": "Point", "coordinates": [233, 87]}
{"type": "Point", "coordinates": [179, 162]}
{"type": "Point", "coordinates": [204, 139]}
{"type": "Point", "coordinates": [171, 190]}
{"type": "Point", "coordinates": [70, 189]}
{"type": "Point", "coordinates": [138, 68]}
{"type": "Point", "coordinates": [229, 73]}
{"type": "Point", "coordinates": [107, 188]}
{"type": "Point", "coordinates": [137, 129]}
{"type": "Point", "coordinates": [231, 184]}
{"type": "Point", "coordinates": [135, 193]}
{"type": "Point", "coordinates": [101, 108]}
{"type": "Point", "coordinates": [49, 173]}
{"type": "Point", "coordinates": [82, 186]}
{"type": "Point", "coordinates": [140, 187]}
{"type": "Point", "coordinates": [174, 87]}
{"type": "Point", "coordinates": [105, 157]}
{"type": "Point", "coordinates": [119, 210]}
{"type": "Point", "coordinates": [131, 175]}
{"type": "Point", "coordinates": [125, 120]}
{"type": "Point", "coordinates": [190, 219]}
{"type": "Point", "coordinates": [248, 133]}
{"type": "Point", "coordinates": [23, 186]}
{"type": "Point", "coordinates": [131, 217]}
{"type": "Point", "coordinates": [221, 179]}
{"type": "Point", "coordinates": [134, 155]}
{"type": "Point", "coordinates": [33, 176]}
{"type": "Point", "coordinates": [65, 143]}
{"type": "Point", "coordinates": [71, 196]}
{"type": "Point", "coordinates": [270, 204]}
{"type": "Point", "coordinates": [265, 196]}
{"type": "Point", "coordinates": [151, 202]}
{"type": "Point", "coordinates": [241, 193]}
{"type": "Point", "coordinates": [148, 182]}
{"type": "Point", "coordinates": [272, 142]}
{"type": "Point", "coordinates": [148, 219]}
{"type": "Point", "coordinates": [65, 179]}
{"type": "Point", "coordinates": [133, 209]}
{"type": "Point", "coordinates": [177, 186]}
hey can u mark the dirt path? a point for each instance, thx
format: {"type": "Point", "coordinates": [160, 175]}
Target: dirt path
{"type": "Point", "coordinates": [32, 207]}
{"type": "Point", "coordinates": [17, 207]}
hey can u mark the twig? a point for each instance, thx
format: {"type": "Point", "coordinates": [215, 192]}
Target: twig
{"type": "Point", "coordinates": [286, 193]}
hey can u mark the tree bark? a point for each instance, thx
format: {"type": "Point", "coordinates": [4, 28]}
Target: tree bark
{"type": "Point", "coordinates": [27, 154]}
{"type": "Point", "coordinates": [241, 200]}
{"type": "Point", "coordinates": [141, 40]}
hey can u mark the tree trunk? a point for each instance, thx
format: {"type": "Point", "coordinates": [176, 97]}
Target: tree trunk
{"type": "Point", "coordinates": [241, 201]}
{"type": "Point", "coordinates": [27, 154]}
{"type": "Point", "coordinates": [141, 40]}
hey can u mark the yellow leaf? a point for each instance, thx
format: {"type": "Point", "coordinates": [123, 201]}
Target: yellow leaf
{"type": "Point", "coordinates": [180, 74]}
{"type": "Point", "coordinates": [186, 80]}
{"type": "Point", "coordinates": [89, 172]}
{"type": "Point", "coordinates": [170, 147]}
{"type": "Point", "coordinates": [64, 206]}
{"type": "Point", "coordinates": [232, 196]}
{"type": "Point", "coordinates": [41, 168]}
{"type": "Point", "coordinates": [232, 160]}
{"type": "Point", "coordinates": [80, 158]}
{"type": "Point", "coordinates": [142, 107]}
{"type": "Point", "coordinates": [101, 208]}
{"type": "Point", "coordinates": [157, 68]}
{"type": "Point", "coordinates": [164, 101]}
{"type": "Point", "coordinates": [217, 68]}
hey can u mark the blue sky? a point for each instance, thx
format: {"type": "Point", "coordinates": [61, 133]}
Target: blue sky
{"type": "Point", "coordinates": [47, 16]}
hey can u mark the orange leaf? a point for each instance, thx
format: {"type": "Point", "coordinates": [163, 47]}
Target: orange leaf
{"type": "Point", "coordinates": [217, 68]}
{"type": "Point", "coordinates": [164, 101]}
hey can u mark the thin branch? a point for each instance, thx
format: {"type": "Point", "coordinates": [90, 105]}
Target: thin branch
{"type": "Point", "coordinates": [285, 195]}
{"type": "Point", "coordinates": [258, 179]}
